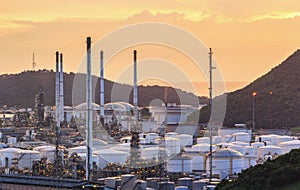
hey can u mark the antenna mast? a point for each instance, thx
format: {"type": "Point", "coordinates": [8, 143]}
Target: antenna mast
{"type": "Point", "coordinates": [33, 62]}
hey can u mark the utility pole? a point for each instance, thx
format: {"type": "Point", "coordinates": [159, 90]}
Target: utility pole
{"type": "Point", "coordinates": [211, 109]}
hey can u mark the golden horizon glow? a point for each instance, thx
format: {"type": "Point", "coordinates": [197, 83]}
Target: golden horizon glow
{"type": "Point", "coordinates": [248, 38]}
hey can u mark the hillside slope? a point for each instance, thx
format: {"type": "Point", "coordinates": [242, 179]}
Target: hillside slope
{"type": "Point", "coordinates": [279, 109]}
{"type": "Point", "coordinates": [20, 89]}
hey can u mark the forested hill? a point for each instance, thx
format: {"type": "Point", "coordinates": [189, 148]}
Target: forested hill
{"type": "Point", "coordinates": [272, 175]}
{"type": "Point", "coordinates": [280, 108]}
{"type": "Point", "coordinates": [20, 89]}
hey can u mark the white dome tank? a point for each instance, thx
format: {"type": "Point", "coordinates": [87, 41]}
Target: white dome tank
{"type": "Point", "coordinates": [185, 140]}
{"type": "Point", "coordinates": [77, 149]}
{"type": "Point", "coordinates": [46, 151]}
{"type": "Point", "coordinates": [266, 152]}
{"type": "Point", "coordinates": [9, 153]}
{"type": "Point", "coordinates": [172, 145]}
{"type": "Point", "coordinates": [281, 139]}
{"type": "Point", "coordinates": [225, 160]}
{"type": "Point", "coordinates": [240, 143]}
{"type": "Point", "coordinates": [289, 145]}
{"type": "Point", "coordinates": [227, 138]}
{"type": "Point", "coordinates": [111, 155]}
{"type": "Point", "coordinates": [243, 137]}
{"type": "Point", "coordinates": [202, 148]}
{"type": "Point", "coordinates": [180, 164]}
{"type": "Point", "coordinates": [27, 157]}
{"type": "Point", "coordinates": [203, 140]}
{"type": "Point", "coordinates": [216, 139]}
{"type": "Point", "coordinates": [238, 148]}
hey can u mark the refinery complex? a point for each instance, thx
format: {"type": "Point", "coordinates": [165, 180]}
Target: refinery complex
{"type": "Point", "coordinates": [114, 146]}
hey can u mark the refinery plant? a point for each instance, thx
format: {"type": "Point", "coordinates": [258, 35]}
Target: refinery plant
{"type": "Point", "coordinates": [116, 145]}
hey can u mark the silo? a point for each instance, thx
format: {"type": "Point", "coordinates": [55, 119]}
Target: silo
{"type": "Point", "coordinates": [166, 185]}
{"type": "Point", "coordinates": [243, 137]}
{"type": "Point", "coordinates": [187, 182]}
{"type": "Point", "coordinates": [281, 139]}
{"type": "Point", "coordinates": [203, 140]}
{"type": "Point", "coordinates": [289, 145]}
{"type": "Point", "coordinates": [271, 152]}
{"type": "Point", "coordinates": [226, 159]}
{"type": "Point", "coordinates": [182, 164]}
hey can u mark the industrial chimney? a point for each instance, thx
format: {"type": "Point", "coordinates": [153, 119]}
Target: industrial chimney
{"type": "Point", "coordinates": [61, 89]}
{"type": "Point", "coordinates": [135, 90]}
{"type": "Point", "coordinates": [57, 102]}
{"type": "Point", "coordinates": [89, 127]}
{"type": "Point", "coordinates": [101, 86]}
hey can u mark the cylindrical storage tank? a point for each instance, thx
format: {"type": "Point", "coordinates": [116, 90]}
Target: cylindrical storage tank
{"type": "Point", "coordinates": [181, 188]}
{"type": "Point", "coordinates": [216, 139]}
{"type": "Point", "coordinates": [199, 185]}
{"type": "Point", "coordinates": [172, 146]}
{"type": "Point", "coordinates": [111, 155]}
{"type": "Point", "coordinates": [140, 185]}
{"type": "Point", "coordinates": [152, 153]}
{"type": "Point", "coordinates": [46, 151]}
{"type": "Point", "coordinates": [289, 145]}
{"type": "Point", "coordinates": [188, 182]}
{"type": "Point", "coordinates": [27, 157]}
{"type": "Point", "coordinates": [203, 140]}
{"type": "Point", "coordinates": [110, 182]}
{"type": "Point", "coordinates": [127, 181]}
{"type": "Point", "coordinates": [263, 138]}
{"type": "Point", "coordinates": [11, 140]}
{"type": "Point", "coordinates": [238, 148]}
{"type": "Point", "coordinates": [243, 137]}
{"type": "Point", "coordinates": [202, 148]}
{"type": "Point", "coordinates": [225, 159]}
{"type": "Point", "coordinates": [281, 139]}
{"type": "Point", "coordinates": [182, 164]}
{"type": "Point", "coordinates": [9, 153]}
{"type": "Point", "coordinates": [227, 138]}
{"type": "Point", "coordinates": [77, 149]}
{"type": "Point", "coordinates": [94, 157]}
{"type": "Point", "coordinates": [166, 185]}
{"type": "Point", "coordinates": [198, 162]}
{"type": "Point", "coordinates": [171, 134]}
{"type": "Point", "coordinates": [248, 161]}
{"type": "Point", "coordinates": [256, 145]}
{"type": "Point", "coordinates": [249, 151]}
{"type": "Point", "coordinates": [240, 143]}
{"type": "Point", "coordinates": [266, 152]}
{"type": "Point", "coordinates": [210, 187]}
{"type": "Point", "coordinates": [185, 140]}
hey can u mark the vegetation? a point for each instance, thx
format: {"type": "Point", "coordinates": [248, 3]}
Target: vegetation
{"type": "Point", "coordinates": [278, 109]}
{"type": "Point", "coordinates": [272, 175]}
{"type": "Point", "coordinates": [20, 89]}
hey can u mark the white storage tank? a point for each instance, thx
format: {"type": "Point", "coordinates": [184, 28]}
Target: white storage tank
{"type": "Point", "coordinates": [11, 140]}
{"type": "Point", "coordinates": [185, 140]}
{"type": "Point", "coordinates": [242, 136]}
{"type": "Point", "coordinates": [225, 159]}
{"type": "Point", "coordinates": [186, 181]}
{"type": "Point", "coordinates": [281, 139]}
{"type": "Point", "coordinates": [181, 188]}
{"type": "Point", "coordinates": [240, 143]}
{"type": "Point", "coordinates": [181, 164]}
{"type": "Point", "coordinates": [198, 162]}
{"type": "Point", "coordinates": [152, 152]}
{"type": "Point", "coordinates": [227, 138]}
{"type": "Point", "coordinates": [171, 134]}
{"type": "Point", "coordinates": [202, 148]}
{"type": "Point", "coordinates": [27, 157]}
{"type": "Point", "coordinates": [248, 161]}
{"type": "Point", "coordinates": [9, 153]}
{"type": "Point", "coordinates": [95, 158]}
{"type": "Point", "coordinates": [271, 152]}
{"type": "Point", "coordinates": [172, 145]}
{"type": "Point", "coordinates": [216, 139]}
{"type": "Point", "coordinates": [289, 145]}
{"type": "Point", "coordinates": [203, 140]}
{"type": "Point", "coordinates": [77, 149]}
{"type": "Point", "coordinates": [46, 151]}
{"type": "Point", "coordinates": [238, 148]}
{"type": "Point", "coordinates": [111, 155]}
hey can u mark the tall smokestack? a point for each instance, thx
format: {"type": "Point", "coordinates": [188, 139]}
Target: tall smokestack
{"type": "Point", "coordinates": [101, 85]}
{"type": "Point", "coordinates": [89, 127]}
{"type": "Point", "coordinates": [61, 89]}
{"type": "Point", "coordinates": [135, 90]}
{"type": "Point", "coordinates": [57, 104]}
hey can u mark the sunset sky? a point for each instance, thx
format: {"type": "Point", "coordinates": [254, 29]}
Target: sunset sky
{"type": "Point", "coordinates": [248, 37]}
